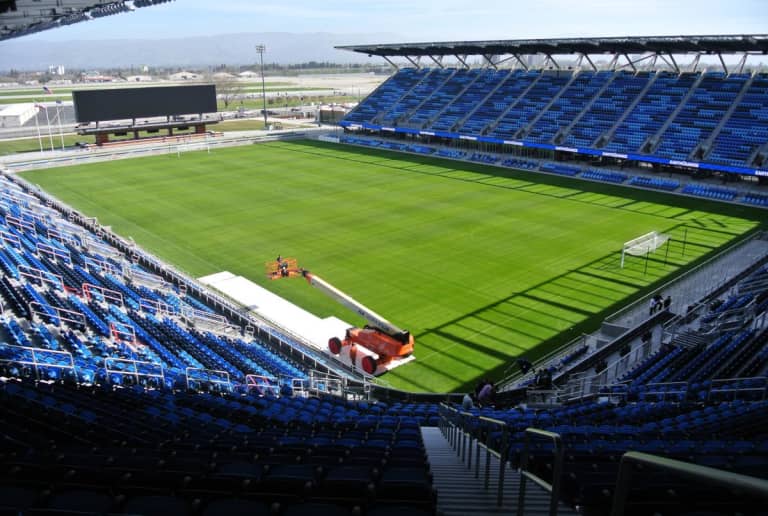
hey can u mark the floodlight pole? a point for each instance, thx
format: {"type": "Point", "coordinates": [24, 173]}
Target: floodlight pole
{"type": "Point", "coordinates": [260, 49]}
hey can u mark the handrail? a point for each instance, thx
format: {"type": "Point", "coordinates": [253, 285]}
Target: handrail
{"type": "Point", "coordinates": [503, 453]}
{"type": "Point", "coordinates": [454, 421]}
{"type": "Point", "coordinates": [675, 388]}
{"type": "Point", "coordinates": [37, 363]}
{"type": "Point", "coordinates": [43, 276]}
{"type": "Point", "coordinates": [151, 148]}
{"type": "Point", "coordinates": [224, 380]}
{"type": "Point", "coordinates": [160, 307]}
{"type": "Point", "coordinates": [262, 384]}
{"type": "Point", "coordinates": [557, 470]}
{"type": "Point", "coordinates": [210, 321]}
{"type": "Point", "coordinates": [721, 385]}
{"type": "Point", "coordinates": [62, 314]}
{"type": "Point", "coordinates": [707, 475]}
{"type": "Point", "coordinates": [135, 363]}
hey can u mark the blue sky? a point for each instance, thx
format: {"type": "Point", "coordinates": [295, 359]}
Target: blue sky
{"type": "Point", "coordinates": [422, 20]}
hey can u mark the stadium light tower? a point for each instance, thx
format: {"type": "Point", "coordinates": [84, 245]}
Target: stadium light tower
{"type": "Point", "coordinates": [260, 49]}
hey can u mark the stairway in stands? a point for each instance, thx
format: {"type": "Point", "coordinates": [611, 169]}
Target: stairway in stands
{"type": "Point", "coordinates": [460, 493]}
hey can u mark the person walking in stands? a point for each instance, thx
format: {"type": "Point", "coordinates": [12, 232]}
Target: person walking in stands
{"type": "Point", "coordinates": [466, 402]}
{"type": "Point", "coordinates": [480, 386]}
{"type": "Point", "coordinates": [485, 397]}
{"type": "Point", "coordinates": [652, 305]}
{"type": "Point", "coordinates": [659, 303]}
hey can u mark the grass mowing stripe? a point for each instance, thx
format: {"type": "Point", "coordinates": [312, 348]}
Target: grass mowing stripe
{"type": "Point", "coordinates": [481, 264]}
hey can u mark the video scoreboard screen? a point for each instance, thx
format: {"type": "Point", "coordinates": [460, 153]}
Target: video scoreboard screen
{"type": "Point", "coordinates": [129, 103]}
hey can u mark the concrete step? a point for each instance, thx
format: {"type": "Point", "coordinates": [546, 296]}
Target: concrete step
{"type": "Point", "coordinates": [460, 492]}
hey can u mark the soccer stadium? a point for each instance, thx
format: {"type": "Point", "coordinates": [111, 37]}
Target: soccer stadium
{"type": "Point", "coordinates": [499, 284]}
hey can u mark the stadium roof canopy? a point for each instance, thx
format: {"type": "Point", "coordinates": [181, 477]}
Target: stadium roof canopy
{"type": "Point", "coordinates": [661, 46]}
{"type": "Point", "coordinates": [23, 17]}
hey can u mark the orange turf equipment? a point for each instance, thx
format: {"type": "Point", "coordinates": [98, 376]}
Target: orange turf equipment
{"type": "Point", "coordinates": [275, 268]}
{"type": "Point", "coordinates": [386, 346]}
{"type": "Point", "coordinates": [379, 336]}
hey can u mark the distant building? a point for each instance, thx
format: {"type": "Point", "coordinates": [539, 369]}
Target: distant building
{"type": "Point", "coordinates": [223, 75]}
{"type": "Point", "coordinates": [56, 69]}
{"type": "Point", "coordinates": [96, 77]}
{"type": "Point", "coordinates": [16, 115]}
{"type": "Point", "coordinates": [183, 76]}
{"type": "Point", "coordinates": [248, 74]}
{"type": "Point", "coordinates": [139, 78]}
{"type": "Point", "coordinates": [331, 114]}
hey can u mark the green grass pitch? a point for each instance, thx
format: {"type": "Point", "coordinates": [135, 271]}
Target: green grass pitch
{"type": "Point", "coordinates": [481, 264]}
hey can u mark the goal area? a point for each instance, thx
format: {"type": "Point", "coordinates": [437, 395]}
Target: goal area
{"type": "Point", "coordinates": [643, 245]}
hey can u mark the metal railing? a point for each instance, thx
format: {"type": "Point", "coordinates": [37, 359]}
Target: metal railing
{"type": "Point", "coordinates": [701, 474]}
{"type": "Point", "coordinates": [148, 369]}
{"type": "Point", "coordinates": [44, 277]}
{"type": "Point", "coordinates": [557, 469]}
{"type": "Point", "coordinates": [56, 314]}
{"type": "Point", "coordinates": [661, 391]}
{"type": "Point", "coordinates": [214, 323]}
{"type": "Point", "coordinates": [463, 430]}
{"type": "Point", "coordinates": [158, 307]}
{"type": "Point", "coordinates": [325, 383]}
{"type": "Point", "coordinates": [155, 148]}
{"type": "Point", "coordinates": [35, 357]}
{"type": "Point", "coordinates": [213, 377]}
{"type": "Point", "coordinates": [262, 384]}
{"type": "Point", "coordinates": [730, 389]}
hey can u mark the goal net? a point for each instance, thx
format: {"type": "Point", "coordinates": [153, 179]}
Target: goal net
{"type": "Point", "coordinates": [643, 245]}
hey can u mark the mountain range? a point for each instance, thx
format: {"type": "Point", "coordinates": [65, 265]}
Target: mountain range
{"type": "Point", "coordinates": [229, 49]}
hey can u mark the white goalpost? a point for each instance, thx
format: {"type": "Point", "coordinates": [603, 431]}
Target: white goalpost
{"type": "Point", "coordinates": [643, 245]}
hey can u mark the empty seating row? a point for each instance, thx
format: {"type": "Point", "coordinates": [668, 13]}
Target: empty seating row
{"type": "Point", "coordinates": [723, 194]}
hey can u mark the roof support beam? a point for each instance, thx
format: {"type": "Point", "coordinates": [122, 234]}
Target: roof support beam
{"type": "Point", "coordinates": [489, 59]}
{"type": "Point", "coordinates": [629, 61]}
{"type": "Point", "coordinates": [632, 62]}
{"type": "Point", "coordinates": [695, 62]}
{"type": "Point", "coordinates": [674, 63]}
{"type": "Point", "coordinates": [722, 62]}
{"type": "Point", "coordinates": [438, 62]}
{"type": "Point", "coordinates": [388, 60]}
{"type": "Point", "coordinates": [522, 63]}
{"type": "Point", "coordinates": [414, 63]}
{"type": "Point", "coordinates": [742, 62]}
{"type": "Point", "coordinates": [551, 59]}
{"type": "Point", "coordinates": [586, 56]}
{"type": "Point", "coordinates": [614, 62]}
{"type": "Point", "coordinates": [462, 60]}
